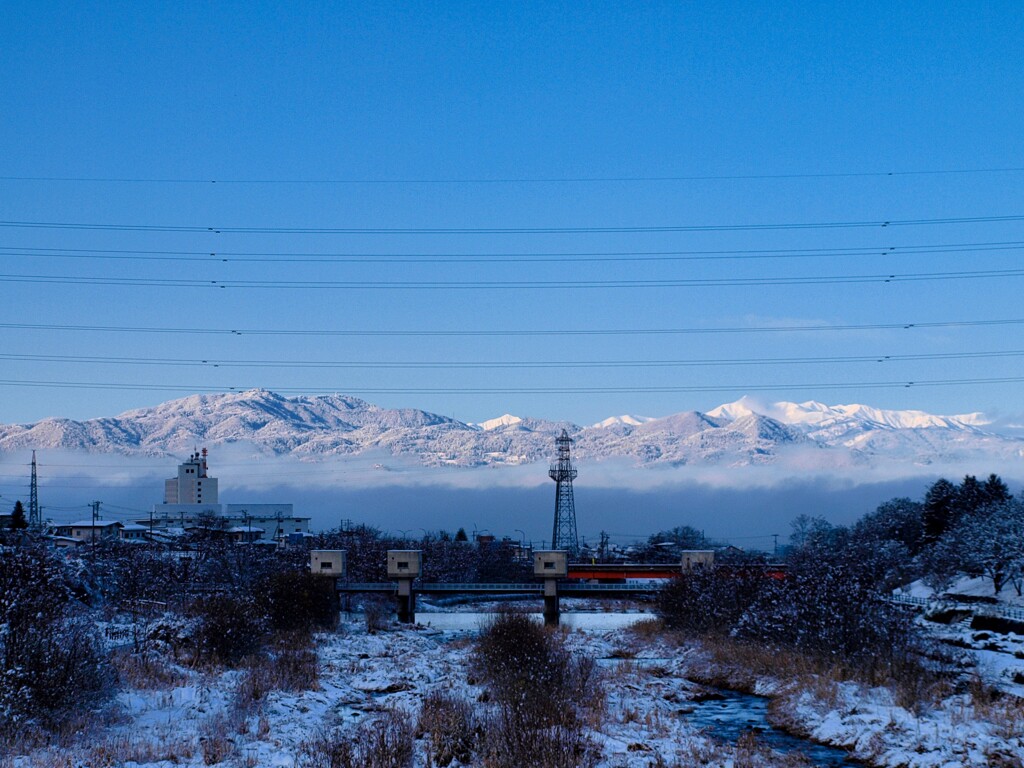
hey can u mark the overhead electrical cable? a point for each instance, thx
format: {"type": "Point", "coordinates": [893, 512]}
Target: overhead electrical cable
{"type": "Point", "coordinates": [514, 179]}
{"type": "Point", "coordinates": [192, 228]}
{"type": "Point", "coordinates": [503, 364]}
{"type": "Point", "coordinates": [747, 387]}
{"type": "Point", "coordinates": [227, 257]}
{"type": "Point", "coordinates": [782, 328]}
{"type": "Point", "coordinates": [432, 285]}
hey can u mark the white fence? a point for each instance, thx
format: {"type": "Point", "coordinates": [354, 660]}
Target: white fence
{"type": "Point", "coordinates": [984, 609]}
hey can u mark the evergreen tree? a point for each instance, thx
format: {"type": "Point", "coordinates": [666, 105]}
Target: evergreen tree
{"type": "Point", "coordinates": [939, 503]}
{"type": "Point", "coordinates": [995, 490]}
{"type": "Point", "coordinates": [894, 520]}
{"type": "Point", "coordinates": [18, 520]}
{"type": "Point", "coordinates": [970, 497]}
{"type": "Point", "coordinates": [461, 535]}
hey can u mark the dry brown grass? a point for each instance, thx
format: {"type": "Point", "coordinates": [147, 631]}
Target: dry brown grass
{"type": "Point", "coordinates": [506, 745]}
{"type": "Point", "coordinates": [648, 629]}
{"type": "Point", "coordinates": [739, 664]}
{"type": "Point", "coordinates": [451, 726]}
{"type": "Point", "coordinates": [286, 670]}
{"type": "Point", "coordinates": [215, 742]}
{"type": "Point", "coordinates": [128, 748]}
{"type": "Point", "coordinates": [1003, 712]}
{"type": "Point", "coordinates": [385, 742]}
{"type": "Point", "coordinates": [147, 671]}
{"type": "Point", "coordinates": [62, 737]}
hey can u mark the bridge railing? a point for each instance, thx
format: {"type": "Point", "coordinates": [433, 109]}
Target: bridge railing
{"type": "Point", "coordinates": [985, 609]}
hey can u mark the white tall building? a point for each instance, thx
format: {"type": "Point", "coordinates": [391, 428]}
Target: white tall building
{"type": "Point", "coordinates": [190, 500]}
{"type": "Point", "coordinates": [193, 485]}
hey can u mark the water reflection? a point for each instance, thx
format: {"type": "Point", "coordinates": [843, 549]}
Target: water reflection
{"type": "Point", "coordinates": [471, 622]}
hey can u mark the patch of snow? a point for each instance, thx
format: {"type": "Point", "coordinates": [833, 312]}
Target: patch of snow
{"type": "Point", "coordinates": [502, 421]}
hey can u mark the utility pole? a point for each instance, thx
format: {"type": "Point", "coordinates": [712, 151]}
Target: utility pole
{"type": "Point", "coordinates": [35, 520]}
{"type": "Point", "coordinates": [775, 549]}
{"type": "Point", "coordinates": [95, 516]}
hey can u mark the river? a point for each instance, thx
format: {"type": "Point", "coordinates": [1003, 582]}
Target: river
{"type": "Point", "coordinates": [726, 716]}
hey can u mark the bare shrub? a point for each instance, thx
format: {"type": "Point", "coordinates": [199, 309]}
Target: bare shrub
{"type": "Point", "coordinates": [507, 745]}
{"type": "Point", "coordinates": [542, 694]}
{"type": "Point", "coordinates": [326, 750]}
{"type": "Point", "coordinates": [386, 742]}
{"type": "Point", "coordinates": [451, 724]}
{"type": "Point", "coordinates": [376, 614]}
{"type": "Point", "coordinates": [528, 667]}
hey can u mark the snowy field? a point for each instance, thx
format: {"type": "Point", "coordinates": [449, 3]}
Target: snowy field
{"type": "Point", "coordinates": [204, 718]}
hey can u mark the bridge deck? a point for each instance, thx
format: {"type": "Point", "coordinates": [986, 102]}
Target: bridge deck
{"type": "Point", "coordinates": [535, 588]}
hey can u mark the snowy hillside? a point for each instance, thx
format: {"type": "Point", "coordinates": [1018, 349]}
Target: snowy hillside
{"type": "Point", "coordinates": [735, 434]}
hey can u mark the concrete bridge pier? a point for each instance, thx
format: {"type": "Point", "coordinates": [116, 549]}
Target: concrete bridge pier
{"type": "Point", "coordinates": [405, 600]}
{"type": "Point", "coordinates": [552, 610]}
{"type": "Point", "coordinates": [405, 566]}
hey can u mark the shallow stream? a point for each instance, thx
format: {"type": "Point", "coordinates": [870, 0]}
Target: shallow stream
{"type": "Point", "coordinates": [734, 714]}
{"type": "Point", "coordinates": [727, 716]}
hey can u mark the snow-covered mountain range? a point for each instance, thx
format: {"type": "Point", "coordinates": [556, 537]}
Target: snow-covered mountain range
{"type": "Point", "coordinates": [739, 433]}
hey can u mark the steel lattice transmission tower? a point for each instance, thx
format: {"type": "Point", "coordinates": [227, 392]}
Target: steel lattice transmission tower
{"type": "Point", "coordinates": [563, 535]}
{"type": "Point", "coordinates": [35, 520]}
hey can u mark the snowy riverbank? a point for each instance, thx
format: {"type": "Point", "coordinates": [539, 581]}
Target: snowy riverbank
{"type": "Point", "coordinates": [202, 718]}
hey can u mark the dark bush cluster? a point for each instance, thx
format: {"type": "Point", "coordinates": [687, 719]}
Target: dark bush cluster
{"type": "Point", "coordinates": [228, 629]}
{"type": "Point", "coordinates": [50, 654]}
{"type": "Point", "coordinates": [710, 599]}
{"type": "Point", "coordinates": [298, 601]}
{"type": "Point", "coordinates": [830, 605]}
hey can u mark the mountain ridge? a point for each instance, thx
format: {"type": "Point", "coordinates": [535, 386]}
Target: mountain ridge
{"type": "Point", "coordinates": [744, 432]}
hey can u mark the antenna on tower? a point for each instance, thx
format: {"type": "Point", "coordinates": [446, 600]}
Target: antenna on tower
{"type": "Point", "coordinates": [563, 535]}
{"type": "Point", "coordinates": [35, 520]}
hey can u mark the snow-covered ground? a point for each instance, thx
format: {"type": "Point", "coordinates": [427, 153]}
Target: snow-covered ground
{"type": "Point", "coordinates": [968, 587]}
{"type": "Point", "coordinates": [199, 719]}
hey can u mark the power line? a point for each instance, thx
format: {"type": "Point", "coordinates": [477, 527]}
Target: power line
{"type": "Point", "coordinates": [193, 228]}
{"type": "Point", "coordinates": [516, 180]}
{"type": "Point", "coordinates": [503, 364]}
{"type": "Point", "coordinates": [739, 329]}
{"type": "Point", "coordinates": [523, 390]}
{"type": "Point", "coordinates": [512, 284]}
{"type": "Point", "coordinates": [243, 257]}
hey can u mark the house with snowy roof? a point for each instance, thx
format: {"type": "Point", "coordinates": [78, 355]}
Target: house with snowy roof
{"type": "Point", "coordinates": [84, 531]}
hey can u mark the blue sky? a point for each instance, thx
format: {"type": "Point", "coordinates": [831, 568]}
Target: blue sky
{"type": "Point", "coordinates": [531, 98]}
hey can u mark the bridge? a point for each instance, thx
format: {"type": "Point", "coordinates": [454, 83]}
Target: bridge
{"type": "Point", "coordinates": [557, 577]}
{"type": "Point", "coordinates": [566, 588]}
